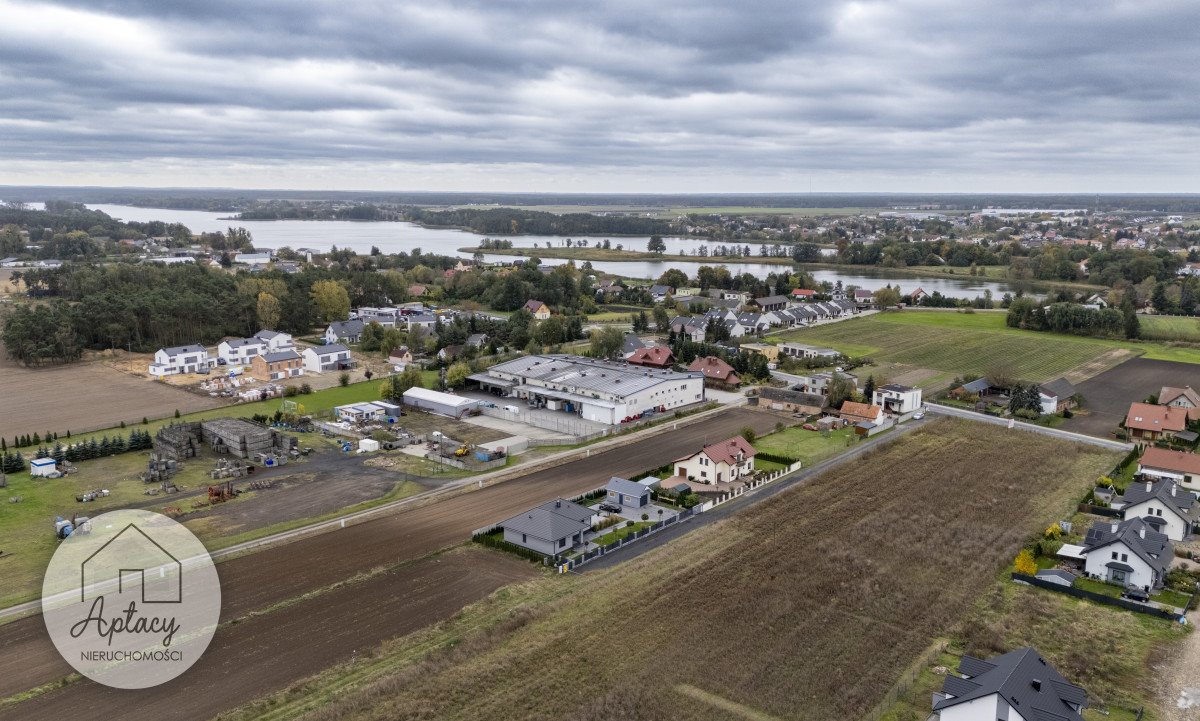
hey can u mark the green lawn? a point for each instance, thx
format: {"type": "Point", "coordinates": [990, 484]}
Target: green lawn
{"type": "Point", "coordinates": [1170, 328]}
{"type": "Point", "coordinates": [951, 344]}
{"type": "Point", "coordinates": [1171, 598]}
{"type": "Point", "coordinates": [767, 466]}
{"type": "Point", "coordinates": [623, 531]}
{"type": "Point", "coordinates": [808, 446]}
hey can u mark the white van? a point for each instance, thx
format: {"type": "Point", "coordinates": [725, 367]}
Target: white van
{"type": "Point", "coordinates": [512, 409]}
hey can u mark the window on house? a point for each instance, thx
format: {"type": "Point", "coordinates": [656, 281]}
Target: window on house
{"type": "Point", "coordinates": [523, 538]}
{"type": "Point", "coordinates": [1114, 555]}
{"type": "Point", "coordinates": [1124, 556]}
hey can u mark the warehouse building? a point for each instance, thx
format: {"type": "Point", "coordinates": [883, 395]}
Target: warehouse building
{"type": "Point", "coordinates": [596, 390]}
{"type": "Point", "coordinates": [446, 404]}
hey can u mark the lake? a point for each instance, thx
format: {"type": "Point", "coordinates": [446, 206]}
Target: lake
{"type": "Point", "coordinates": [392, 237]}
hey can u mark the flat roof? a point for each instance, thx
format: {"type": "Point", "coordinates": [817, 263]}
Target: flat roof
{"type": "Point", "coordinates": [446, 399]}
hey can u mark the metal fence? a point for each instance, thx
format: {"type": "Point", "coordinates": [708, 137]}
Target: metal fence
{"type": "Point", "coordinates": [566, 424]}
{"type": "Point", "coordinates": [1097, 597]}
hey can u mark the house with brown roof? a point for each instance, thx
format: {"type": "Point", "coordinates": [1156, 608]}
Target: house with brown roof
{"type": "Point", "coordinates": [1181, 398]}
{"type": "Point", "coordinates": [416, 291]}
{"type": "Point", "coordinates": [790, 401]}
{"type": "Point", "coordinates": [717, 373]}
{"type": "Point", "coordinates": [854, 413]}
{"type": "Point", "coordinates": [540, 310]}
{"type": "Point", "coordinates": [803, 294]}
{"type": "Point", "coordinates": [722, 462]}
{"type": "Point", "coordinates": [1147, 424]}
{"type": "Point", "coordinates": [656, 357]}
{"type": "Point", "coordinates": [1168, 465]}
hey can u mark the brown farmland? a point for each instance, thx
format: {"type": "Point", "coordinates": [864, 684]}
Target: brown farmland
{"type": "Point", "coordinates": [806, 606]}
{"type": "Point", "coordinates": [84, 397]}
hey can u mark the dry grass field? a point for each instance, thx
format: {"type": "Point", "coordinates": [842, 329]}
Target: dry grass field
{"type": "Point", "coordinates": [83, 397]}
{"type": "Point", "coordinates": [808, 605]}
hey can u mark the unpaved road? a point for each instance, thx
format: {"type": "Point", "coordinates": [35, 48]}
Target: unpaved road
{"type": "Point", "coordinates": [259, 580]}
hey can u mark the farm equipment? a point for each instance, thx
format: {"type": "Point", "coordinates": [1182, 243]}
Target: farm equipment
{"type": "Point", "coordinates": [463, 451]}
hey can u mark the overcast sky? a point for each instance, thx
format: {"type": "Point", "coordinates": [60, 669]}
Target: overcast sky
{"type": "Point", "coordinates": [596, 95]}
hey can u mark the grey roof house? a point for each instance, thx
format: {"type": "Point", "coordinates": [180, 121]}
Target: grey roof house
{"type": "Point", "coordinates": [1018, 684]}
{"type": "Point", "coordinates": [551, 528]}
{"type": "Point", "coordinates": [1165, 506]}
{"type": "Point", "coordinates": [622, 492]}
{"type": "Point", "coordinates": [344, 331]}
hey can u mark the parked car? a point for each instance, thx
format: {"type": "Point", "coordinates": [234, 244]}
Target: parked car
{"type": "Point", "coordinates": [610, 508]}
{"type": "Point", "coordinates": [512, 409]}
{"type": "Point", "coordinates": [1133, 593]}
{"type": "Point", "coordinates": [919, 415]}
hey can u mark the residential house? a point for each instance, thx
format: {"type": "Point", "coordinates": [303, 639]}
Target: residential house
{"type": "Point", "coordinates": [450, 352]}
{"type": "Point", "coordinates": [477, 340]}
{"type": "Point", "coordinates": [275, 340]}
{"type": "Point", "coordinates": [790, 401]}
{"type": "Point", "coordinates": [722, 462]}
{"type": "Point", "coordinates": [631, 344]}
{"type": "Point", "coordinates": [277, 365]}
{"type": "Point", "coordinates": [321, 359]}
{"type": "Point", "coordinates": [540, 310]}
{"type": "Point", "coordinates": [344, 331]}
{"type": "Point", "coordinates": [854, 413]}
{"type": "Point", "coordinates": [400, 357]}
{"type": "Point", "coordinates": [717, 373]}
{"type": "Point", "coordinates": [417, 291]}
{"type": "Point", "coordinates": [607, 289]}
{"type": "Point", "coordinates": [180, 359]}
{"type": "Point", "coordinates": [655, 357]}
{"type": "Point", "coordinates": [1181, 398]}
{"type": "Point", "coordinates": [256, 261]}
{"type": "Point", "coordinates": [688, 327]}
{"type": "Point", "coordinates": [863, 298]}
{"type": "Point", "coordinates": [897, 399]}
{"type": "Point", "coordinates": [819, 382]}
{"type": "Point", "coordinates": [1056, 396]}
{"type": "Point", "coordinates": [551, 528]}
{"type": "Point", "coordinates": [1128, 553]}
{"type": "Point", "coordinates": [740, 296]}
{"type": "Point", "coordinates": [240, 351]}
{"type": "Point", "coordinates": [803, 294]}
{"type": "Point", "coordinates": [771, 302]}
{"type": "Point", "coordinates": [917, 296]}
{"type": "Point", "coordinates": [659, 293]}
{"type": "Point", "coordinates": [1019, 685]}
{"type": "Point", "coordinates": [1096, 299]}
{"type": "Point", "coordinates": [627, 494]}
{"type": "Point", "coordinates": [686, 292]}
{"type": "Point", "coordinates": [1164, 464]}
{"type": "Point", "coordinates": [802, 350]}
{"type": "Point", "coordinates": [1147, 424]}
{"type": "Point", "coordinates": [768, 351]}
{"type": "Point", "coordinates": [1163, 505]}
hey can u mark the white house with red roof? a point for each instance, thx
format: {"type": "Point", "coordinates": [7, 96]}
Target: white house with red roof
{"type": "Point", "coordinates": [1163, 464]}
{"type": "Point", "coordinates": [721, 462]}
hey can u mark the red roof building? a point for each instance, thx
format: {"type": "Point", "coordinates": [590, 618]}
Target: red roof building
{"type": "Point", "coordinates": [1148, 423]}
{"type": "Point", "coordinates": [716, 371]}
{"type": "Point", "coordinates": [656, 357]}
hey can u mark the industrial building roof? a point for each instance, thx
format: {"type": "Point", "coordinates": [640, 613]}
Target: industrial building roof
{"type": "Point", "coordinates": [575, 374]}
{"type": "Point", "coordinates": [446, 399]}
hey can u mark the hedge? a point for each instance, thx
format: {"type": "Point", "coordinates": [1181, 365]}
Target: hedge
{"type": "Point", "coordinates": [496, 540]}
{"type": "Point", "coordinates": [776, 458]}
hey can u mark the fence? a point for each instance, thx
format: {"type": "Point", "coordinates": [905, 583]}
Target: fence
{"type": "Point", "coordinates": [906, 680]}
{"type": "Point", "coordinates": [567, 565]}
{"type": "Point", "coordinates": [467, 466]}
{"type": "Point", "coordinates": [1097, 597]}
{"type": "Point", "coordinates": [1098, 510]}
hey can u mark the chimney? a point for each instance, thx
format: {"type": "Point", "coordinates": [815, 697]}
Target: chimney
{"type": "Point", "coordinates": [1142, 532]}
{"type": "Point", "coordinates": [1037, 684]}
{"type": "Point", "coordinates": [558, 503]}
{"type": "Point", "coordinates": [1172, 490]}
{"type": "Point", "coordinates": [1149, 486]}
{"type": "Point", "coordinates": [1114, 527]}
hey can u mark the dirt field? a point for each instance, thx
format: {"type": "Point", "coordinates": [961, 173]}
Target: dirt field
{"type": "Point", "coordinates": [1107, 396]}
{"type": "Point", "coordinates": [84, 397]}
{"type": "Point", "coordinates": [267, 652]}
{"type": "Point", "coordinates": [807, 606]}
{"type": "Point", "coordinates": [276, 574]}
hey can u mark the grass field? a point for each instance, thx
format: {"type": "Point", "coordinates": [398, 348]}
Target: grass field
{"type": "Point", "coordinates": [791, 609]}
{"type": "Point", "coordinates": [808, 446]}
{"type": "Point", "coordinates": [1170, 328]}
{"type": "Point", "coordinates": [952, 344]}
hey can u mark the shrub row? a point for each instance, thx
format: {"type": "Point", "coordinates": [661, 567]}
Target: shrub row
{"type": "Point", "coordinates": [496, 540]}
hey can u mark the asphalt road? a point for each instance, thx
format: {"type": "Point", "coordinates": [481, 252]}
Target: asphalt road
{"type": "Point", "coordinates": [275, 574]}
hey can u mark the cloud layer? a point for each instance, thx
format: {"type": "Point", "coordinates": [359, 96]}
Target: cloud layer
{"type": "Point", "coordinates": [615, 96]}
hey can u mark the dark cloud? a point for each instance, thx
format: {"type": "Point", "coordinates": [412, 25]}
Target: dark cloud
{"type": "Point", "coordinates": [713, 94]}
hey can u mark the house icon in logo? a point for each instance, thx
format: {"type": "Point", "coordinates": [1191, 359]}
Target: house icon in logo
{"type": "Point", "coordinates": [136, 562]}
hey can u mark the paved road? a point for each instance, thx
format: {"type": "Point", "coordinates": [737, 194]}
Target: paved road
{"type": "Point", "coordinates": [1057, 432]}
{"type": "Point", "coordinates": [282, 572]}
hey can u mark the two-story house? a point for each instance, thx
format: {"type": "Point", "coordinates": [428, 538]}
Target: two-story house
{"type": "Point", "coordinates": [180, 359]}
{"type": "Point", "coordinates": [326, 358]}
{"type": "Point", "coordinates": [275, 340]}
{"type": "Point", "coordinates": [897, 399]}
{"type": "Point", "coordinates": [240, 351]}
{"type": "Point", "coordinates": [344, 331]}
{"type": "Point", "coordinates": [1129, 553]}
{"type": "Point", "coordinates": [277, 366]}
{"type": "Point", "coordinates": [1164, 464]}
{"type": "Point", "coordinates": [1167, 508]}
{"type": "Point", "coordinates": [1017, 685]}
{"type": "Point", "coordinates": [722, 462]}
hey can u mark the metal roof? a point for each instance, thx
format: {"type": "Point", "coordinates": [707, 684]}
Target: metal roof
{"type": "Point", "coordinates": [1023, 679]}
{"type": "Point", "coordinates": [575, 374]}
{"type": "Point", "coordinates": [551, 521]}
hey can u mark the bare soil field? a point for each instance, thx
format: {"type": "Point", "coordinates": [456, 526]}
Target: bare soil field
{"type": "Point", "coordinates": [274, 575]}
{"type": "Point", "coordinates": [1106, 397]}
{"type": "Point", "coordinates": [84, 396]}
{"type": "Point", "coordinates": [266, 652]}
{"type": "Point", "coordinates": [809, 605]}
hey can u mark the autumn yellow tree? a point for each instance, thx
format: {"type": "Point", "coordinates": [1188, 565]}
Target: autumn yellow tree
{"type": "Point", "coordinates": [268, 310]}
{"type": "Point", "coordinates": [331, 299]}
{"type": "Point", "coordinates": [1025, 563]}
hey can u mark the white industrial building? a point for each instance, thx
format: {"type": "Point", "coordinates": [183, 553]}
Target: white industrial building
{"type": "Point", "coordinates": [596, 390]}
{"type": "Point", "coordinates": [446, 404]}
